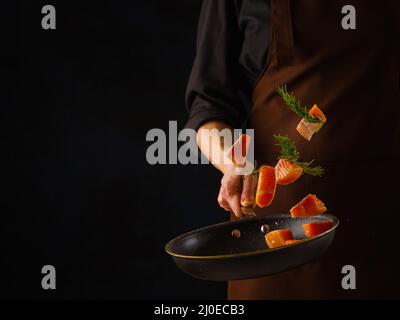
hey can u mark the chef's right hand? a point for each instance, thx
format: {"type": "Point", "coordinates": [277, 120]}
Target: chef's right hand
{"type": "Point", "coordinates": [236, 191]}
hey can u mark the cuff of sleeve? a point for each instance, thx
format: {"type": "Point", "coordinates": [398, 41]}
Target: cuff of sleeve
{"type": "Point", "coordinates": [197, 119]}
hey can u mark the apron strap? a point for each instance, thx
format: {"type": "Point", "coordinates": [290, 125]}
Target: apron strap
{"type": "Point", "coordinates": [283, 34]}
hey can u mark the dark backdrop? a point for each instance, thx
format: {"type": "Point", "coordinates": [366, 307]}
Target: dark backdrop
{"type": "Point", "coordinates": [80, 195]}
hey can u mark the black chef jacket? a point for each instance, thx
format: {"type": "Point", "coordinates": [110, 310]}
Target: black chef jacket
{"type": "Point", "coordinates": [232, 44]}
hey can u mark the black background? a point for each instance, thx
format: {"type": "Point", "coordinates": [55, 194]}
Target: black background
{"type": "Point", "coordinates": [80, 194]}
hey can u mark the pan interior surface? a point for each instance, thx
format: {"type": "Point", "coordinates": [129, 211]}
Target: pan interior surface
{"type": "Point", "coordinates": [237, 237]}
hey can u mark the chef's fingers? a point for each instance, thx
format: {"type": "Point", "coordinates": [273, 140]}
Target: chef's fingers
{"type": "Point", "coordinates": [231, 191]}
{"type": "Point", "coordinates": [230, 200]}
{"type": "Point", "coordinates": [234, 203]}
{"type": "Point", "coordinates": [248, 190]}
{"type": "Point", "coordinates": [222, 202]}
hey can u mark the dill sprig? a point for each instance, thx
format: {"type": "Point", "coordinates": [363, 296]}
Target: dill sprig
{"type": "Point", "coordinates": [288, 148]}
{"type": "Point", "coordinates": [295, 105]}
{"type": "Point", "coordinates": [313, 171]}
{"type": "Point", "coordinates": [289, 152]}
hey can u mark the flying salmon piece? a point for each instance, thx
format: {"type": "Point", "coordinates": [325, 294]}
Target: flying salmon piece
{"type": "Point", "coordinates": [315, 228]}
{"type": "Point", "coordinates": [278, 238]}
{"type": "Point", "coordinates": [266, 186]}
{"type": "Point", "coordinates": [290, 168]}
{"type": "Point", "coordinates": [312, 120]}
{"type": "Point", "coordinates": [306, 128]}
{"type": "Point", "coordinates": [287, 172]}
{"type": "Point", "coordinates": [308, 207]}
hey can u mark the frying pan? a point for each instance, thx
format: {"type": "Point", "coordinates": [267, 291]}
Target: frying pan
{"type": "Point", "coordinates": [217, 253]}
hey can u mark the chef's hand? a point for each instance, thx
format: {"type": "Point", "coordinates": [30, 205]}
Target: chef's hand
{"type": "Point", "coordinates": [237, 191]}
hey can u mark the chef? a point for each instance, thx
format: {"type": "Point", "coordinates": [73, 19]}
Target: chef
{"type": "Point", "coordinates": [245, 50]}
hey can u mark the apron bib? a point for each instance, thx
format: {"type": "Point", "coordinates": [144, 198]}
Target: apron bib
{"type": "Point", "coordinates": [353, 76]}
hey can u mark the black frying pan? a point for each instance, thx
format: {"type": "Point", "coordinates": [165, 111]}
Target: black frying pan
{"type": "Point", "coordinates": [213, 253]}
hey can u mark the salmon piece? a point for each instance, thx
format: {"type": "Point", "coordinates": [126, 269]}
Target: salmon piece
{"type": "Point", "coordinates": [287, 172]}
{"type": "Point", "coordinates": [266, 186]}
{"type": "Point", "coordinates": [278, 238]}
{"type": "Point", "coordinates": [308, 207]}
{"type": "Point", "coordinates": [314, 228]}
{"type": "Point", "coordinates": [287, 242]}
{"type": "Point", "coordinates": [316, 112]}
{"type": "Point", "coordinates": [307, 129]}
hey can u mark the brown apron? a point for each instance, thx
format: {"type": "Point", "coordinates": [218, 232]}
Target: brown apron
{"type": "Point", "coordinates": [353, 76]}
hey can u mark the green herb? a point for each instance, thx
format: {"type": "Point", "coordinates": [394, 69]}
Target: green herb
{"type": "Point", "coordinates": [295, 105]}
{"type": "Point", "coordinates": [315, 171]}
{"type": "Point", "coordinates": [289, 152]}
{"type": "Point", "coordinates": [288, 148]}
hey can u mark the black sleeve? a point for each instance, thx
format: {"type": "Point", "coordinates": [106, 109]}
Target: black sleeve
{"type": "Point", "coordinates": [212, 92]}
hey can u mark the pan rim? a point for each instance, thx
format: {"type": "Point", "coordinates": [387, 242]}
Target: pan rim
{"type": "Point", "coordinates": [168, 246]}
